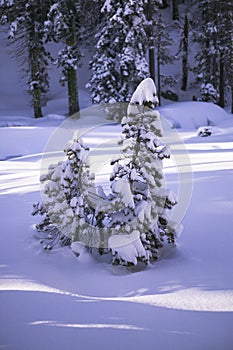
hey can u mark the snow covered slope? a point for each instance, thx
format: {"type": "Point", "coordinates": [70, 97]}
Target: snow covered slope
{"type": "Point", "coordinates": [192, 115]}
{"type": "Point", "coordinates": [52, 300]}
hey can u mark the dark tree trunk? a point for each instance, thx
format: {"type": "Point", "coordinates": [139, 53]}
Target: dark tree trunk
{"type": "Point", "coordinates": [37, 103]}
{"type": "Point", "coordinates": [72, 92]}
{"type": "Point", "coordinates": [72, 84]}
{"type": "Point", "coordinates": [185, 52]}
{"type": "Point", "coordinates": [36, 92]}
{"type": "Point", "coordinates": [221, 82]}
{"type": "Point", "coordinates": [175, 10]}
{"type": "Point", "coordinates": [152, 63]}
{"type": "Point", "coordinates": [232, 99]}
{"type": "Point", "coordinates": [158, 75]}
{"type": "Point", "coordinates": [149, 16]}
{"type": "Point", "coordinates": [214, 71]}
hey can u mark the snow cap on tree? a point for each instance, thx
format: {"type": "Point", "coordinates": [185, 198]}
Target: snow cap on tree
{"type": "Point", "coordinates": [145, 93]}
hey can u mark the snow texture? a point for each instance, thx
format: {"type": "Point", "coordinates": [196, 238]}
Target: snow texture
{"type": "Point", "coordinates": [122, 186]}
{"type": "Point", "coordinates": [128, 247]}
{"type": "Point", "coordinates": [192, 115]}
{"type": "Point", "coordinates": [185, 299]}
{"type": "Point", "coordinates": [54, 300]}
{"type": "Point", "coordinates": [145, 92]}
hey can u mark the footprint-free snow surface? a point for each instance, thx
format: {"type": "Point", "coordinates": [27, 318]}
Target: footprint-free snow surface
{"type": "Point", "coordinates": [53, 300]}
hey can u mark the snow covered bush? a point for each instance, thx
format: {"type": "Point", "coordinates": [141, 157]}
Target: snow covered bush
{"type": "Point", "coordinates": [204, 131]}
{"type": "Point", "coordinates": [132, 221]}
{"type": "Point", "coordinates": [209, 93]}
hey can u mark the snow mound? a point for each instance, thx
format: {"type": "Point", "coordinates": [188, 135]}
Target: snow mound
{"type": "Point", "coordinates": [192, 115]}
{"type": "Point", "coordinates": [145, 92]}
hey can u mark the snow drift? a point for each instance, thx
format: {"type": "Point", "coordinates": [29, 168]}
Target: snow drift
{"type": "Point", "coordinates": [192, 115]}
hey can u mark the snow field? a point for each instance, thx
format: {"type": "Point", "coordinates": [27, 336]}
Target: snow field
{"type": "Point", "coordinates": [54, 300]}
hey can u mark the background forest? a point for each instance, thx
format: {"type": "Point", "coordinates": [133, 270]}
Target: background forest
{"type": "Point", "coordinates": [184, 45]}
{"type": "Point", "coordinates": [63, 56]}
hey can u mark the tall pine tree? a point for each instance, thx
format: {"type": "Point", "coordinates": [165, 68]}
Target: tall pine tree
{"type": "Point", "coordinates": [162, 42]}
{"type": "Point", "coordinates": [119, 63]}
{"type": "Point", "coordinates": [25, 19]}
{"type": "Point", "coordinates": [63, 25]}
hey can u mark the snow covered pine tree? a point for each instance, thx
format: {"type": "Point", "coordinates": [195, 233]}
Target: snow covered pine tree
{"type": "Point", "coordinates": [119, 63]}
{"type": "Point", "coordinates": [132, 221]}
{"type": "Point", "coordinates": [142, 227]}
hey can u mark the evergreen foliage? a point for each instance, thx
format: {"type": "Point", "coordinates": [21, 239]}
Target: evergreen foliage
{"type": "Point", "coordinates": [129, 36]}
{"type": "Point", "coordinates": [163, 42]}
{"type": "Point", "coordinates": [25, 19]}
{"type": "Point", "coordinates": [138, 177]}
{"type": "Point", "coordinates": [215, 52]}
{"type": "Point", "coordinates": [63, 25]}
{"type": "Point", "coordinates": [119, 63]}
{"type": "Point", "coordinates": [209, 93]}
{"type": "Point", "coordinates": [132, 221]}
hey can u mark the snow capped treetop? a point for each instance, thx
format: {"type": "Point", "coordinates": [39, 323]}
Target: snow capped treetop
{"type": "Point", "coordinates": [145, 94]}
{"type": "Point", "coordinates": [107, 6]}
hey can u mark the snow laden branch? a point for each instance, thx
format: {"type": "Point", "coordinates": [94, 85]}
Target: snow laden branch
{"type": "Point", "coordinates": [131, 222]}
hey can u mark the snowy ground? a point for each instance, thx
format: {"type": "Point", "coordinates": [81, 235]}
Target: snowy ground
{"type": "Point", "coordinates": [52, 300]}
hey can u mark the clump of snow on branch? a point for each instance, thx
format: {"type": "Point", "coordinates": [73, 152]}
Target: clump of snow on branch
{"type": "Point", "coordinates": [127, 247]}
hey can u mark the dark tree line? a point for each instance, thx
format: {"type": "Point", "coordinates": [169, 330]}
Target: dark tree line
{"type": "Point", "coordinates": [214, 34]}
{"type": "Point", "coordinates": [33, 23]}
{"type": "Point", "coordinates": [131, 41]}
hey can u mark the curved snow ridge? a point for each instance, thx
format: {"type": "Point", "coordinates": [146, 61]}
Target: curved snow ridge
{"type": "Point", "coordinates": [21, 285]}
{"type": "Point", "coordinates": [191, 299]}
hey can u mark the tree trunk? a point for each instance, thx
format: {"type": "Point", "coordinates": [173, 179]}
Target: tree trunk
{"type": "Point", "coordinates": [149, 12]}
{"type": "Point", "coordinates": [37, 103]}
{"type": "Point", "coordinates": [72, 91]}
{"type": "Point", "coordinates": [73, 100]}
{"type": "Point", "coordinates": [36, 93]}
{"type": "Point", "coordinates": [158, 75]}
{"type": "Point", "coordinates": [175, 10]}
{"type": "Point", "coordinates": [221, 82]}
{"type": "Point", "coordinates": [232, 99]}
{"type": "Point", "coordinates": [185, 52]}
{"type": "Point", "coordinates": [152, 63]}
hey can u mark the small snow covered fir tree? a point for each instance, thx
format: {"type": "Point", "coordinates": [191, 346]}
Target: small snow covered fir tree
{"type": "Point", "coordinates": [137, 180]}
{"type": "Point", "coordinates": [62, 194]}
{"type": "Point", "coordinates": [132, 221]}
